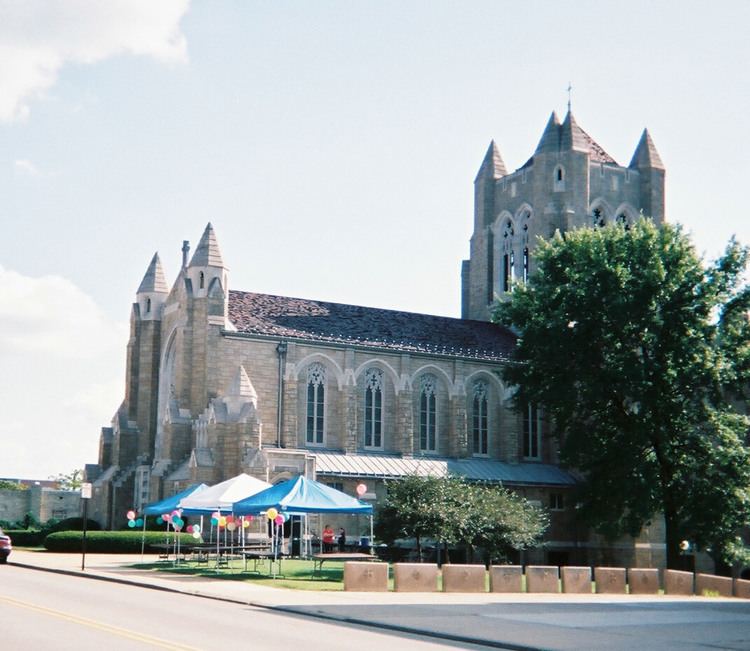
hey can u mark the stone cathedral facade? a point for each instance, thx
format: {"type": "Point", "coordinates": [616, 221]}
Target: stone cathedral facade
{"type": "Point", "coordinates": [221, 381]}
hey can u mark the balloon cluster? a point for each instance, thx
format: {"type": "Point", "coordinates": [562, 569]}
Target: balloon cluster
{"type": "Point", "coordinates": [174, 518]}
{"type": "Point", "coordinates": [132, 521]}
{"type": "Point", "coordinates": [274, 516]}
{"type": "Point", "coordinates": [194, 529]}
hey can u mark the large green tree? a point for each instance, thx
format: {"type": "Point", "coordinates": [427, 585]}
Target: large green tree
{"type": "Point", "coordinates": [635, 348]}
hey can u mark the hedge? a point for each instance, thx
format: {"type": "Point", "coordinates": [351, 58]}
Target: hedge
{"type": "Point", "coordinates": [26, 537]}
{"type": "Point", "coordinates": [109, 542]}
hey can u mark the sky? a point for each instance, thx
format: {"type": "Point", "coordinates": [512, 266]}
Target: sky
{"type": "Point", "coordinates": [332, 144]}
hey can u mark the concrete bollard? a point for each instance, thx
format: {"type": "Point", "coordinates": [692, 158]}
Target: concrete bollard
{"type": "Point", "coordinates": [576, 580]}
{"type": "Point", "coordinates": [677, 582]}
{"type": "Point", "coordinates": [610, 580]}
{"type": "Point", "coordinates": [742, 588]}
{"type": "Point", "coordinates": [721, 585]}
{"type": "Point", "coordinates": [643, 580]}
{"type": "Point", "coordinates": [415, 577]}
{"type": "Point", "coordinates": [506, 578]}
{"type": "Point", "coordinates": [363, 576]}
{"type": "Point", "coordinates": [542, 578]}
{"type": "Point", "coordinates": [464, 578]}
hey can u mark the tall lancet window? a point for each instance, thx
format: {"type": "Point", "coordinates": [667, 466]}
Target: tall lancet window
{"type": "Point", "coordinates": [532, 431]}
{"type": "Point", "coordinates": [525, 264]}
{"type": "Point", "coordinates": [373, 408]}
{"type": "Point", "coordinates": [428, 414]}
{"type": "Point", "coordinates": [201, 280]}
{"type": "Point", "coordinates": [479, 419]}
{"type": "Point", "coordinates": [507, 256]}
{"type": "Point", "coordinates": [316, 400]}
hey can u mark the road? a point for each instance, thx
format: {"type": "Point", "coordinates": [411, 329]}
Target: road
{"type": "Point", "coordinates": [41, 610]}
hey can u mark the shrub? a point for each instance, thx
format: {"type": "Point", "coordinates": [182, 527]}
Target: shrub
{"type": "Point", "coordinates": [108, 542]}
{"type": "Point", "coordinates": [26, 537]}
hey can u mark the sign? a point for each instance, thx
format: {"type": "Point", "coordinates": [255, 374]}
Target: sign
{"type": "Point", "coordinates": [86, 491]}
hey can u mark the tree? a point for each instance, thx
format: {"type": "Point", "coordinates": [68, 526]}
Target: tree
{"type": "Point", "coordinates": [453, 511]}
{"type": "Point", "coordinates": [635, 349]}
{"type": "Point", "coordinates": [9, 485]}
{"type": "Point", "coordinates": [69, 482]}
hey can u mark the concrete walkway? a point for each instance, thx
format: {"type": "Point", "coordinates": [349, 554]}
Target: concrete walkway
{"type": "Point", "coordinates": [316, 603]}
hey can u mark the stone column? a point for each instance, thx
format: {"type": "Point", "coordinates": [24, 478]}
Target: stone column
{"type": "Point", "coordinates": [289, 425]}
{"type": "Point", "coordinates": [459, 431]}
{"type": "Point", "coordinates": [350, 419]}
{"type": "Point", "coordinates": [404, 434]}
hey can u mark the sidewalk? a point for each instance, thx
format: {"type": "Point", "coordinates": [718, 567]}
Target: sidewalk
{"type": "Point", "coordinates": [118, 567]}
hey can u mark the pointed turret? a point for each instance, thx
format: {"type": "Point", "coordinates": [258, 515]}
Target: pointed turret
{"type": "Point", "coordinates": [572, 136]}
{"type": "Point", "coordinates": [550, 141]}
{"type": "Point", "coordinates": [207, 253]}
{"type": "Point", "coordinates": [153, 291]}
{"type": "Point", "coordinates": [154, 279]}
{"type": "Point", "coordinates": [645, 155]}
{"type": "Point", "coordinates": [492, 165]}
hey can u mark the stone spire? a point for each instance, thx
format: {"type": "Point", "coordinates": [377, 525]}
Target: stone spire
{"type": "Point", "coordinates": [645, 153]}
{"type": "Point", "coordinates": [493, 165]}
{"type": "Point", "coordinates": [572, 136]}
{"type": "Point", "coordinates": [207, 253]}
{"type": "Point", "coordinates": [154, 280]}
{"type": "Point", "coordinates": [550, 141]}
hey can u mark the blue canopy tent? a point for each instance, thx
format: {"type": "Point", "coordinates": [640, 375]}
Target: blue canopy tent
{"type": "Point", "coordinates": [300, 495]}
{"type": "Point", "coordinates": [167, 505]}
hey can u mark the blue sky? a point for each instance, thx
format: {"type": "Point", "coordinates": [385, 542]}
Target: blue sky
{"type": "Point", "coordinates": [333, 146]}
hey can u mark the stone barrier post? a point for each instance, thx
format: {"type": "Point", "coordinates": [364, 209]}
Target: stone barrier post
{"type": "Point", "coordinates": [722, 585]}
{"type": "Point", "coordinates": [415, 577]}
{"type": "Point", "coordinates": [678, 582]}
{"type": "Point", "coordinates": [643, 580]}
{"type": "Point", "coordinates": [542, 578]}
{"type": "Point", "coordinates": [363, 576]}
{"type": "Point", "coordinates": [464, 578]}
{"type": "Point", "coordinates": [742, 588]}
{"type": "Point", "coordinates": [610, 580]}
{"type": "Point", "coordinates": [576, 580]}
{"type": "Point", "coordinates": [506, 578]}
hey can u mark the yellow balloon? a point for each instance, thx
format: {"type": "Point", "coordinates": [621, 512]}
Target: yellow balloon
{"type": "Point", "coordinates": [222, 521]}
{"type": "Point", "coordinates": [272, 513]}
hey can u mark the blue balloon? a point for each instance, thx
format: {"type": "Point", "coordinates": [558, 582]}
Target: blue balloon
{"type": "Point", "coordinates": [139, 522]}
{"type": "Point", "coordinates": [131, 523]}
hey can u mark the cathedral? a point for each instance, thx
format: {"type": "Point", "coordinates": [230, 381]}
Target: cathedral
{"type": "Point", "coordinates": [221, 381]}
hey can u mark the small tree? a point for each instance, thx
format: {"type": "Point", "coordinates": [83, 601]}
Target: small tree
{"type": "Point", "coordinates": [69, 481]}
{"type": "Point", "coordinates": [8, 485]}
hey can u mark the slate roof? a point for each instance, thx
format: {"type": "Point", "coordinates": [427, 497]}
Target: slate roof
{"type": "Point", "coordinates": [299, 318]}
{"type": "Point", "coordinates": [384, 466]}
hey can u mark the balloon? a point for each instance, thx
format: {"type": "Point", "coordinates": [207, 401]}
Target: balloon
{"type": "Point", "coordinates": [189, 528]}
{"type": "Point", "coordinates": [272, 513]}
{"type": "Point", "coordinates": [159, 520]}
{"type": "Point", "coordinates": [196, 535]}
{"type": "Point", "coordinates": [214, 521]}
{"type": "Point", "coordinates": [131, 524]}
{"type": "Point", "coordinates": [166, 517]}
{"type": "Point", "coordinates": [175, 514]}
{"type": "Point", "coordinates": [216, 515]}
{"type": "Point", "coordinates": [245, 524]}
{"type": "Point", "coordinates": [139, 522]}
{"type": "Point", "coordinates": [230, 518]}
{"type": "Point", "coordinates": [196, 528]}
{"type": "Point", "coordinates": [222, 521]}
{"type": "Point", "coordinates": [231, 526]}
{"type": "Point", "coordinates": [361, 489]}
{"type": "Point", "coordinates": [279, 519]}
{"type": "Point", "coordinates": [131, 515]}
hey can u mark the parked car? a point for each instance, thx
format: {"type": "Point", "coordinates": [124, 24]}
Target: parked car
{"type": "Point", "coordinates": [5, 547]}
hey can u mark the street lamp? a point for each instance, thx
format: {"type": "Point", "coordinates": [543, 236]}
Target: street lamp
{"type": "Point", "coordinates": [85, 496]}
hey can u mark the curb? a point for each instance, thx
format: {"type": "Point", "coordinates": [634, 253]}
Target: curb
{"type": "Point", "coordinates": [289, 610]}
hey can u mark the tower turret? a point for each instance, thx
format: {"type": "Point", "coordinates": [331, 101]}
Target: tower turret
{"type": "Point", "coordinates": [652, 172]}
{"type": "Point", "coordinates": [153, 291]}
{"type": "Point", "coordinates": [208, 276]}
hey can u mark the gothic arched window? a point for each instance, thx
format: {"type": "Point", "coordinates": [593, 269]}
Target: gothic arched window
{"type": "Point", "coordinates": [532, 431]}
{"type": "Point", "coordinates": [148, 305]}
{"type": "Point", "coordinates": [373, 408]}
{"type": "Point", "coordinates": [598, 218]}
{"type": "Point", "coordinates": [559, 179]}
{"type": "Point", "coordinates": [508, 260]}
{"type": "Point", "coordinates": [525, 264]}
{"type": "Point", "coordinates": [428, 414]}
{"type": "Point", "coordinates": [623, 220]}
{"type": "Point", "coordinates": [479, 419]}
{"type": "Point", "coordinates": [316, 399]}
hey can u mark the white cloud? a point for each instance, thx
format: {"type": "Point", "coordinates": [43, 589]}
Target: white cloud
{"type": "Point", "coordinates": [62, 377]}
{"type": "Point", "coordinates": [38, 37]}
{"type": "Point", "coordinates": [25, 167]}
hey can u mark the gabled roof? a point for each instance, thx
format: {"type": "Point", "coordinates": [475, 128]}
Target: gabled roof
{"type": "Point", "coordinates": [207, 253]}
{"type": "Point", "coordinates": [154, 280]}
{"type": "Point", "coordinates": [298, 318]}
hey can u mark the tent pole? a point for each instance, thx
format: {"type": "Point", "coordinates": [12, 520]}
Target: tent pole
{"type": "Point", "coordinates": [372, 539]}
{"type": "Point", "coordinates": [143, 537]}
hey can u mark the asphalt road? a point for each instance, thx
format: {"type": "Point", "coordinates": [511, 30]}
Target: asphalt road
{"type": "Point", "coordinates": [42, 610]}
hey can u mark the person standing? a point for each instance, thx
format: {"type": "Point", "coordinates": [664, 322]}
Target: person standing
{"type": "Point", "coordinates": [342, 540]}
{"type": "Point", "coordinates": [328, 538]}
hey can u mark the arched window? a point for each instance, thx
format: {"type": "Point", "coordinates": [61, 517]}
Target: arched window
{"type": "Point", "coordinates": [201, 280]}
{"type": "Point", "coordinates": [373, 408]}
{"type": "Point", "coordinates": [532, 432]}
{"type": "Point", "coordinates": [316, 398]}
{"type": "Point", "coordinates": [148, 305]}
{"type": "Point", "coordinates": [428, 414]}
{"type": "Point", "coordinates": [508, 260]}
{"type": "Point", "coordinates": [559, 179]}
{"type": "Point", "coordinates": [623, 220]}
{"type": "Point", "coordinates": [597, 217]}
{"type": "Point", "coordinates": [525, 264]}
{"type": "Point", "coordinates": [479, 419]}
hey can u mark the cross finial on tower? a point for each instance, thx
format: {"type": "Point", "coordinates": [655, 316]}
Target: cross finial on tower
{"type": "Point", "coordinates": [570, 88]}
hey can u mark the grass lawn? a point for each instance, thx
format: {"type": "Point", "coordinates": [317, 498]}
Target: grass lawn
{"type": "Point", "coordinates": [296, 574]}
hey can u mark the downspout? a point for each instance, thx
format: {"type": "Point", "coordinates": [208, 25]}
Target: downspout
{"type": "Point", "coordinates": [281, 349]}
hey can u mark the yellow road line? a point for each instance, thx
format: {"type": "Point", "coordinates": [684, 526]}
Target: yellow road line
{"type": "Point", "coordinates": [122, 632]}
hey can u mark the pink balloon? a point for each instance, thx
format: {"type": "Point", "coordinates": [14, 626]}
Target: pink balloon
{"type": "Point", "coordinates": [166, 517]}
{"type": "Point", "coordinates": [189, 528]}
{"type": "Point", "coordinates": [361, 489]}
{"type": "Point", "coordinates": [279, 519]}
{"type": "Point", "coordinates": [131, 515]}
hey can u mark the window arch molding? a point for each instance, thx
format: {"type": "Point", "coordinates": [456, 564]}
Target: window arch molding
{"type": "Point", "coordinates": [387, 369]}
{"type": "Point", "coordinates": [630, 213]}
{"type": "Point", "coordinates": [435, 370]}
{"type": "Point", "coordinates": [298, 371]}
{"type": "Point", "coordinates": [490, 378]}
{"type": "Point", "coordinates": [600, 208]}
